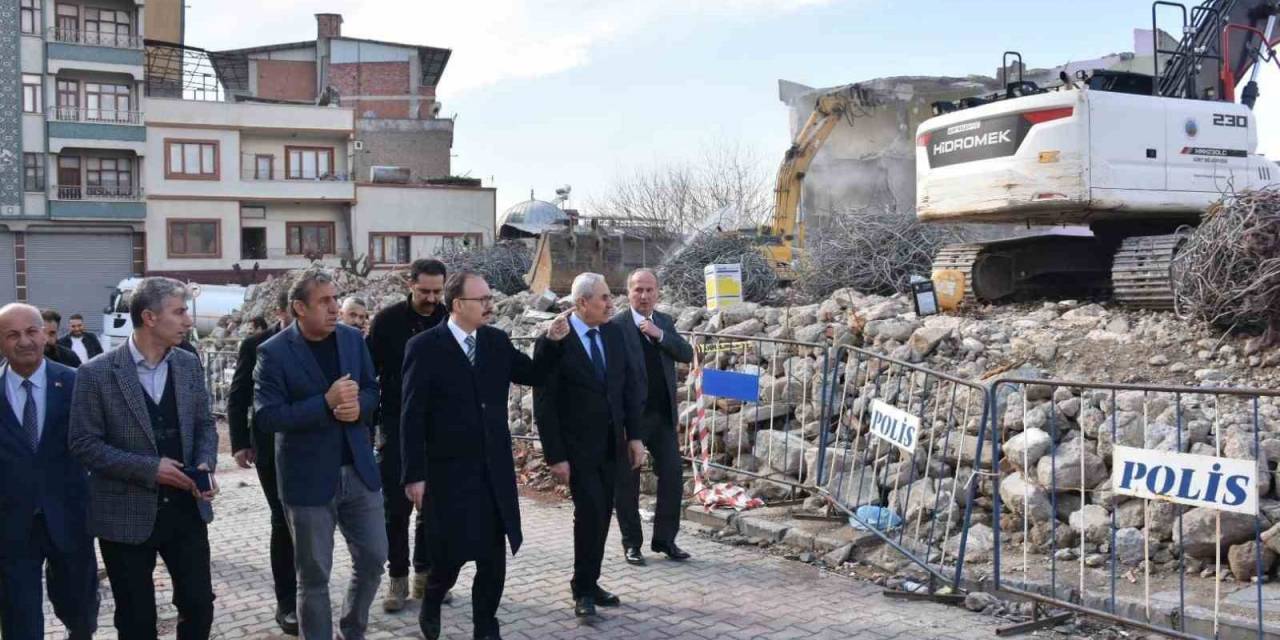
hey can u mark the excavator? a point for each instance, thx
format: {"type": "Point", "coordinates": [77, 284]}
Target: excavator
{"type": "Point", "coordinates": [1114, 166]}
{"type": "Point", "coordinates": [781, 240]}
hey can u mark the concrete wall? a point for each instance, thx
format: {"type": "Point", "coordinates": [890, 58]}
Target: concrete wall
{"type": "Point", "coordinates": [248, 116]}
{"type": "Point", "coordinates": [424, 146]}
{"type": "Point", "coordinates": [424, 213]}
{"type": "Point", "coordinates": [278, 215]}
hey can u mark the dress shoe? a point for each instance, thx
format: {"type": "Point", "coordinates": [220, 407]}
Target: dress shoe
{"type": "Point", "coordinates": [288, 623]}
{"type": "Point", "coordinates": [606, 599]}
{"type": "Point", "coordinates": [671, 550]}
{"type": "Point", "coordinates": [633, 556]}
{"type": "Point", "coordinates": [583, 607]}
{"type": "Point", "coordinates": [429, 621]}
{"type": "Point", "coordinates": [397, 593]}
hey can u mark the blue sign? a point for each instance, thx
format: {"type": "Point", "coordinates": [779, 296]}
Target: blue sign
{"type": "Point", "coordinates": [731, 384]}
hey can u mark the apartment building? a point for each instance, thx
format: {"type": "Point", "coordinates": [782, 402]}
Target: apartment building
{"type": "Point", "coordinates": [72, 150]}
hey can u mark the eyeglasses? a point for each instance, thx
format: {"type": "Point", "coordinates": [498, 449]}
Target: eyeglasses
{"type": "Point", "coordinates": [486, 300]}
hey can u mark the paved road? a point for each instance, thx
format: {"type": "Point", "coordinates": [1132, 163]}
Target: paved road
{"type": "Point", "coordinates": [726, 592]}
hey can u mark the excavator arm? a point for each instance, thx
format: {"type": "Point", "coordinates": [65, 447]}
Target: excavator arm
{"type": "Point", "coordinates": [786, 232]}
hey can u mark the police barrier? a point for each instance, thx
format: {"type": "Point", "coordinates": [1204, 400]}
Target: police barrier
{"type": "Point", "coordinates": [751, 414]}
{"type": "Point", "coordinates": [1123, 501]}
{"type": "Point", "coordinates": [899, 451]}
{"type": "Point", "coordinates": [219, 365]}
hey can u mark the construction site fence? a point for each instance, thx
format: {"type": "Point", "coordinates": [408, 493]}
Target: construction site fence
{"type": "Point", "coordinates": [1069, 534]}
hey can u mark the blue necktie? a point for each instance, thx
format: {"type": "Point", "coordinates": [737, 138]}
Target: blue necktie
{"type": "Point", "coordinates": [30, 421]}
{"type": "Point", "coordinates": [597, 357]}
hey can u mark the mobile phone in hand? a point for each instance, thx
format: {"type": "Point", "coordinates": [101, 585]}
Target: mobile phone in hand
{"type": "Point", "coordinates": [200, 477]}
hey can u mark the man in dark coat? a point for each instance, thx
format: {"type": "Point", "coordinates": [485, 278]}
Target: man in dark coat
{"type": "Point", "coordinates": [653, 341]}
{"type": "Point", "coordinates": [390, 332]}
{"type": "Point", "coordinates": [588, 416]}
{"type": "Point", "coordinates": [255, 447]}
{"type": "Point", "coordinates": [457, 447]}
{"type": "Point", "coordinates": [52, 350]}
{"type": "Point", "coordinates": [84, 344]}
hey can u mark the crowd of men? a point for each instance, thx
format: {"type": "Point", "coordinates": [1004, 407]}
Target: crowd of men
{"type": "Point", "coordinates": [352, 425]}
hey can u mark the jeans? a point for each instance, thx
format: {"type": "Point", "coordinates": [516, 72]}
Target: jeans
{"type": "Point", "coordinates": [357, 512]}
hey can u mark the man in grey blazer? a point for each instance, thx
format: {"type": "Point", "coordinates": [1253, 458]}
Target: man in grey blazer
{"type": "Point", "coordinates": [141, 425]}
{"type": "Point", "coordinates": [654, 347]}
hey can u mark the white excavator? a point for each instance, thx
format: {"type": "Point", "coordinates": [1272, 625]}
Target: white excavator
{"type": "Point", "coordinates": [1110, 165]}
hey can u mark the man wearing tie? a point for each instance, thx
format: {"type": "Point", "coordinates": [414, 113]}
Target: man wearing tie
{"type": "Point", "coordinates": [588, 417]}
{"type": "Point", "coordinates": [457, 447]}
{"type": "Point", "coordinates": [44, 503]}
{"type": "Point", "coordinates": [653, 341]}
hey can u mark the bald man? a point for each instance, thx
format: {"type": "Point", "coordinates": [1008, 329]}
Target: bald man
{"type": "Point", "coordinates": [44, 503]}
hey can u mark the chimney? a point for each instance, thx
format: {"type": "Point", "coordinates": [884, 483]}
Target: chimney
{"type": "Point", "coordinates": [328, 25]}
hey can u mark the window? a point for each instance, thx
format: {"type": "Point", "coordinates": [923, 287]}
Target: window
{"type": "Point", "coordinates": [253, 243]}
{"type": "Point", "coordinates": [107, 27]}
{"type": "Point", "coordinates": [191, 159]}
{"type": "Point", "coordinates": [386, 248]}
{"type": "Point", "coordinates": [32, 172]}
{"type": "Point", "coordinates": [68, 100]}
{"type": "Point", "coordinates": [31, 98]}
{"type": "Point", "coordinates": [458, 241]}
{"type": "Point", "coordinates": [29, 17]}
{"type": "Point", "coordinates": [108, 102]}
{"type": "Point", "coordinates": [308, 163]}
{"type": "Point", "coordinates": [108, 176]}
{"type": "Point", "coordinates": [68, 23]}
{"type": "Point", "coordinates": [194, 239]}
{"type": "Point", "coordinates": [309, 238]}
{"type": "Point", "coordinates": [69, 177]}
{"type": "Point", "coordinates": [262, 166]}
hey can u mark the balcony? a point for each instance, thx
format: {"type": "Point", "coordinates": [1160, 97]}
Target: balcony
{"type": "Point", "coordinates": [102, 202]}
{"type": "Point", "coordinates": [96, 128]}
{"type": "Point", "coordinates": [105, 51]}
{"type": "Point", "coordinates": [97, 193]}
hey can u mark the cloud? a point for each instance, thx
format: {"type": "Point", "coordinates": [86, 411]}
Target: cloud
{"type": "Point", "coordinates": [492, 40]}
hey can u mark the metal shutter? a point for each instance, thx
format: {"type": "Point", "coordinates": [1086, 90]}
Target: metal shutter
{"type": "Point", "coordinates": [8, 283]}
{"type": "Point", "coordinates": [76, 272]}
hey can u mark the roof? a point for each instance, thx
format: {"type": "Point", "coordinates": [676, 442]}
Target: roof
{"type": "Point", "coordinates": [433, 59]}
{"type": "Point", "coordinates": [533, 216]}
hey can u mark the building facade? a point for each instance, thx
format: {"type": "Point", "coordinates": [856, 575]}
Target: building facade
{"type": "Point", "coordinates": [72, 205]}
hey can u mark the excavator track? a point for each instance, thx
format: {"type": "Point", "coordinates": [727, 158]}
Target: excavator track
{"type": "Point", "coordinates": [959, 257]}
{"type": "Point", "coordinates": [1140, 273]}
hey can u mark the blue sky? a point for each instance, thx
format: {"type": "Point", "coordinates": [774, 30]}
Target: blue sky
{"type": "Point", "coordinates": [581, 92]}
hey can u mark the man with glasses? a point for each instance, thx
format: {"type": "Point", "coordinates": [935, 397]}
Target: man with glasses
{"type": "Point", "coordinates": [457, 447]}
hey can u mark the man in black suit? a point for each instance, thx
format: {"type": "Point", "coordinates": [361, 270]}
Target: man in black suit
{"type": "Point", "coordinates": [457, 447]}
{"type": "Point", "coordinates": [653, 341]}
{"type": "Point", "coordinates": [257, 447]}
{"type": "Point", "coordinates": [588, 417]}
{"type": "Point", "coordinates": [390, 332]}
{"type": "Point", "coordinates": [84, 344]}
{"type": "Point", "coordinates": [52, 350]}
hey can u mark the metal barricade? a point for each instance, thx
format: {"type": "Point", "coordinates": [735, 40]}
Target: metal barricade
{"type": "Point", "coordinates": [1118, 501]}
{"type": "Point", "coordinates": [769, 442]}
{"type": "Point", "coordinates": [219, 365]}
{"type": "Point", "coordinates": [900, 453]}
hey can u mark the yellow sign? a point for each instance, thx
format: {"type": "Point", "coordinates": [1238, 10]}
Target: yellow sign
{"type": "Point", "coordinates": [724, 285]}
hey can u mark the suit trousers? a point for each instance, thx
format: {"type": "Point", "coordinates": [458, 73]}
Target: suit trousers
{"type": "Point", "coordinates": [486, 587]}
{"type": "Point", "coordinates": [282, 573]}
{"type": "Point", "coordinates": [668, 466]}
{"type": "Point", "coordinates": [73, 587]}
{"type": "Point", "coordinates": [592, 486]}
{"type": "Point", "coordinates": [182, 540]}
{"type": "Point", "coordinates": [399, 511]}
{"type": "Point", "coordinates": [357, 511]}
